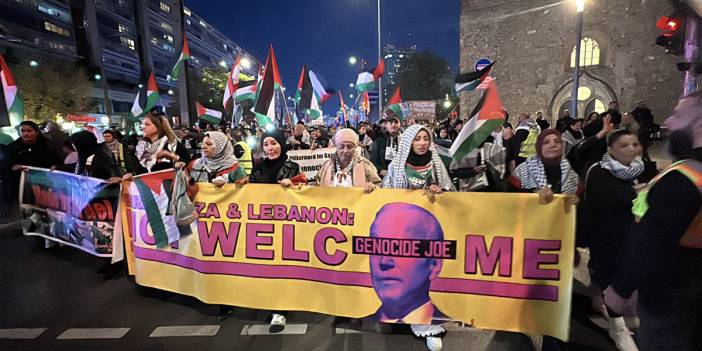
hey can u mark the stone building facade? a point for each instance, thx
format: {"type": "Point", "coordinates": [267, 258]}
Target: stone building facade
{"type": "Point", "coordinates": [533, 43]}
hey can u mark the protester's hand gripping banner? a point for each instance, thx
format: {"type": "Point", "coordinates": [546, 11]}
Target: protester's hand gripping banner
{"type": "Point", "coordinates": [494, 261]}
{"type": "Point", "coordinates": [70, 209]}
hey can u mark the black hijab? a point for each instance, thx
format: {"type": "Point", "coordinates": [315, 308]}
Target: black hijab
{"type": "Point", "coordinates": [266, 172]}
{"type": "Point", "coordinates": [86, 145]}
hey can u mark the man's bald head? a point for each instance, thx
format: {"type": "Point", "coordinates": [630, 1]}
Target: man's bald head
{"type": "Point", "coordinates": [406, 221]}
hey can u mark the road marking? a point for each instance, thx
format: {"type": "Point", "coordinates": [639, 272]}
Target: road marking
{"type": "Point", "coordinates": [185, 330]}
{"type": "Point", "coordinates": [21, 333]}
{"type": "Point", "coordinates": [93, 333]}
{"type": "Point", "coordinates": [262, 329]}
{"type": "Point", "coordinates": [346, 331]}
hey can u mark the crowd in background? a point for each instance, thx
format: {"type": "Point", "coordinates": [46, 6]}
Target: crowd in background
{"type": "Point", "coordinates": [600, 163]}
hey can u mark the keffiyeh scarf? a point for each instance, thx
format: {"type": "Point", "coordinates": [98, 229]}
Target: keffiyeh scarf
{"type": "Point", "coordinates": [532, 175]}
{"type": "Point", "coordinates": [397, 178]}
{"type": "Point", "coordinates": [223, 155]}
{"type": "Point", "coordinates": [621, 171]}
{"type": "Point", "coordinates": [146, 151]}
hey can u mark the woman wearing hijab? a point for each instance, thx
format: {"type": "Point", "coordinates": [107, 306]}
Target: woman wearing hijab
{"type": "Point", "coordinates": [605, 220]}
{"type": "Point", "coordinates": [218, 163]}
{"type": "Point", "coordinates": [417, 166]}
{"type": "Point", "coordinates": [276, 168]}
{"type": "Point", "coordinates": [160, 149]}
{"type": "Point", "coordinates": [347, 168]}
{"type": "Point", "coordinates": [548, 169]}
{"type": "Point", "coordinates": [93, 159]}
{"type": "Point", "coordinates": [573, 134]}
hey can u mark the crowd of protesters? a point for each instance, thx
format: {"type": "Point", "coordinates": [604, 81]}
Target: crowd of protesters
{"type": "Point", "coordinates": [600, 163]}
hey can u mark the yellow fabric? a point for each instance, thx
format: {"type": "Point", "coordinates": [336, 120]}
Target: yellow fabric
{"type": "Point", "coordinates": [502, 299]}
{"type": "Point", "coordinates": [528, 147]}
{"type": "Point", "coordinates": [245, 160]}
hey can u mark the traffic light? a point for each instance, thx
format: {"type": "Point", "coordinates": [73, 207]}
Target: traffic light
{"type": "Point", "coordinates": [673, 33]}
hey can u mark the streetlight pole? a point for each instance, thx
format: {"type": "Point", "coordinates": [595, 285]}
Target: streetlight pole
{"type": "Point", "coordinates": [576, 72]}
{"type": "Point", "coordinates": [380, 79]}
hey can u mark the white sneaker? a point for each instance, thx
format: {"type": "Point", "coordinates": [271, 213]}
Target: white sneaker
{"type": "Point", "coordinates": [277, 319]}
{"type": "Point", "coordinates": [621, 335]}
{"type": "Point", "coordinates": [434, 343]}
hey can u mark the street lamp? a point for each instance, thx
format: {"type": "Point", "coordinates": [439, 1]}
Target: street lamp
{"type": "Point", "coordinates": [352, 60]}
{"type": "Point", "coordinates": [97, 77]}
{"type": "Point", "coordinates": [580, 7]}
{"type": "Point", "coordinates": [350, 96]}
{"type": "Point", "coordinates": [141, 85]}
{"type": "Point", "coordinates": [223, 64]}
{"type": "Point", "coordinates": [170, 92]}
{"type": "Point", "coordinates": [246, 63]}
{"type": "Point", "coordinates": [33, 64]}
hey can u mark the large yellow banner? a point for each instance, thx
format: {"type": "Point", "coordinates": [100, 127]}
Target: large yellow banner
{"type": "Point", "coordinates": [494, 261]}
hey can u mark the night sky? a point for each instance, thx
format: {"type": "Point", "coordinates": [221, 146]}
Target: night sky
{"type": "Point", "coordinates": [324, 33]}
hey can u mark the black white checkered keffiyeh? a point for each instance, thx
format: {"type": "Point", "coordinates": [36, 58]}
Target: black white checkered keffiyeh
{"type": "Point", "coordinates": [396, 177]}
{"type": "Point", "coordinates": [621, 171]}
{"type": "Point", "coordinates": [532, 175]}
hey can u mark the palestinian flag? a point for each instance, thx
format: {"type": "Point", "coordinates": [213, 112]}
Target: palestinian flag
{"type": "Point", "coordinates": [395, 103]}
{"type": "Point", "coordinates": [265, 99]}
{"type": "Point", "coordinates": [152, 98]}
{"type": "Point", "coordinates": [155, 190]}
{"type": "Point", "coordinates": [485, 118]}
{"type": "Point", "coordinates": [306, 97]}
{"type": "Point", "coordinates": [444, 155]}
{"type": "Point", "coordinates": [211, 116]}
{"type": "Point", "coordinates": [13, 98]}
{"type": "Point", "coordinates": [470, 81]}
{"type": "Point", "coordinates": [321, 88]}
{"type": "Point", "coordinates": [232, 82]}
{"type": "Point", "coordinates": [184, 55]}
{"type": "Point", "coordinates": [246, 92]}
{"type": "Point", "coordinates": [366, 79]}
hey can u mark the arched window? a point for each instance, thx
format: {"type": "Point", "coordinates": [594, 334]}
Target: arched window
{"type": "Point", "coordinates": [589, 53]}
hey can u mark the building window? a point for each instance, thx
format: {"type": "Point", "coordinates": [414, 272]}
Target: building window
{"type": "Point", "coordinates": [187, 21]}
{"type": "Point", "coordinates": [187, 11]}
{"type": "Point", "coordinates": [56, 29]}
{"type": "Point", "coordinates": [128, 43]}
{"type": "Point", "coordinates": [121, 28]}
{"type": "Point", "coordinates": [167, 27]}
{"type": "Point", "coordinates": [154, 41]}
{"type": "Point", "coordinates": [165, 7]}
{"type": "Point", "coordinates": [589, 53]}
{"type": "Point", "coordinates": [49, 10]}
{"type": "Point", "coordinates": [56, 46]}
{"type": "Point", "coordinates": [203, 24]}
{"type": "Point", "coordinates": [168, 37]}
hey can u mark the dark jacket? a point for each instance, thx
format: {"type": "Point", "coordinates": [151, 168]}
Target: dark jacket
{"type": "Point", "coordinates": [289, 170]}
{"type": "Point", "coordinates": [605, 222]}
{"type": "Point", "coordinates": [103, 165]}
{"type": "Point", "coordinates": [378, 152]}
{"type": "Point", "coordinates": [656, 264]}
{"type": "Point", "coordinates": [40, 154]}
